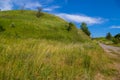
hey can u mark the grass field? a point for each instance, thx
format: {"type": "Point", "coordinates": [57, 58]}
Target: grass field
{"type": "Point", "coordinates": [34, 48]}
{"type": "Point", "coordinates": [49, 60]}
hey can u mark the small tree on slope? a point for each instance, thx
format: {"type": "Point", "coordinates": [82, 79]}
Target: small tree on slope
{"type": "Point", "coordinates": [84, 28]}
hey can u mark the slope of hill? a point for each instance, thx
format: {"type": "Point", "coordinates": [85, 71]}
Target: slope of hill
{"type": "Point", "coordinates": [25, 24]}
{"type": "Point", "coordinates": [34, 48]}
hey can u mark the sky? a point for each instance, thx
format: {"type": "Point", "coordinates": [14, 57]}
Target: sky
{"type": "Point", "coordinates": [101, 16]}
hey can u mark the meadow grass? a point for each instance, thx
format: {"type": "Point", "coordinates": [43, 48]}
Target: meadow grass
{"type": "Point", "coordinates": [34, 48]}
{"type": "Point", "coordinates": [36, 59]}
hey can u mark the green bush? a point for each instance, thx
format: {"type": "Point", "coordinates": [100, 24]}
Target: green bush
{"type": "Point", "coordinates": [115, 40]}
{"type": "Point", "coordinates": [70, 26]}
{"type": "Point", "coordinates": [1, 28]}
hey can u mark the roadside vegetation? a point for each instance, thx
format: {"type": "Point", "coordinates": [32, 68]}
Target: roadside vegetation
{"type": "Point", "coordinates": [110, 40]}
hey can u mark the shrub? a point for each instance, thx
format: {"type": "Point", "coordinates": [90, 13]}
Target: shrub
{"type": "Point", "coordinates": [70, 26]}
{"type": "Point", "coordinates": [116, 41]}
{"type": "Point", "coordinates": [1, 29]}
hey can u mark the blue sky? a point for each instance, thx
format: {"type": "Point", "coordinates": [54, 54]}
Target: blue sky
{"type": "Point", "coordinates": [102, 16]}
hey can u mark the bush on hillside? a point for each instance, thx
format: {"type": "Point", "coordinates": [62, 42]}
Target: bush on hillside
{"type": "Point", "coordinates": [1, 28]}
{"type": "Point", "coordinates": [70, 26]}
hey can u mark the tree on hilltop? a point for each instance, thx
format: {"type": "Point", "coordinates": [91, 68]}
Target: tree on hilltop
{"type": "Point", "coordinates": [39, 12]}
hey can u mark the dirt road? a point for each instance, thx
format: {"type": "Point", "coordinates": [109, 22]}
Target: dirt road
{"type": "Point", "coordinates": [110, 49]}
{"type": "Point", "coordinates": [114, 53]}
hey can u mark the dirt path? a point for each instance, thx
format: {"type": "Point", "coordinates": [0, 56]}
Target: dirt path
{"type": "Point", "coordinates": [114, 53]}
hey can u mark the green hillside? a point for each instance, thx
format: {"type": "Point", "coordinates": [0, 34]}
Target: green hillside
{"type": "Point", "coordinates": [25, 24]}
{"type": "Point", "coordinates": [42, 48]}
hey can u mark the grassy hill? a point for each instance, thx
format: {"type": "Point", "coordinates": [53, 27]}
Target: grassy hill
{"type": "Point", "coordinates": [25, 24]}
{"type": "Point", "coordinates": [34, 48]}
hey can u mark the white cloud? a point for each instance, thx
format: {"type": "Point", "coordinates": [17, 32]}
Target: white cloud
{"type": "Point", "coordinates": [51, 8]}
{"type": "Point", "coordinates": [28, 4]}
{"type": "Point", "coordinates": [9, 4]}
{"type": "Point", "coordinates": [6, 5]}
{"type": "Point", "coordinates": [80, 18]}
{"type": "Point", "coordinates": [115, 27]}
{"type": "Point", "coordinates": [21, 2]}
{"type": "Point", "coordinates": [32, 5]}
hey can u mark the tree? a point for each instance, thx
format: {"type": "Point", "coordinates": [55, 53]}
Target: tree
{"type": "Point", "coordinates": [109, 36]}
{"type": "Point", "coordinates": [84, 28]}
{"type": "Point", "coordinates": [39, 12]}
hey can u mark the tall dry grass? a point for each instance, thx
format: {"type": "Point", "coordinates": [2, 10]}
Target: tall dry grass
{"type": "Point", "coordinates": [33, 59]}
